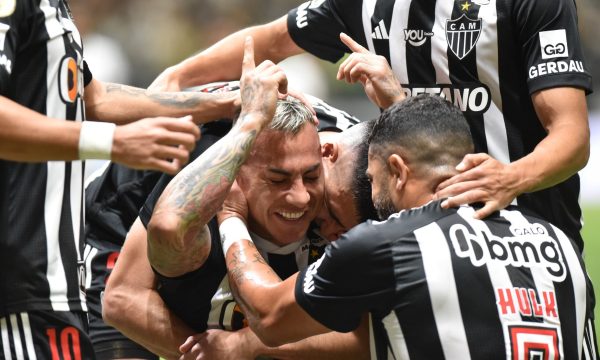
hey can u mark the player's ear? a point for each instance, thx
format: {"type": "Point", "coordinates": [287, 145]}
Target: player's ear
{"type": "Point", "coordinates": [398, 170]}
{"type": "Point", "coordinates": [329, 151]}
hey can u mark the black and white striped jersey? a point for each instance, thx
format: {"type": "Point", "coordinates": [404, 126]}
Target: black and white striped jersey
{"type": "Point", "coordinates": [440, 284]}
{"type": "Point", "coordinates": [485, 56]}
{"type": "Point", "coordinates": [41, 67]}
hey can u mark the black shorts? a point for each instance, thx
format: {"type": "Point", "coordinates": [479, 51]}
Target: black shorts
{"type": "Point", "coordinates": [45, 335]}
{"type": "Point", "coordinates": [108, 342]}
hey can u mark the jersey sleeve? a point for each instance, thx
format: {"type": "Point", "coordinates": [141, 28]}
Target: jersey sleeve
{"type": "Point", "coordinates": [354, 275]}
{"type": "Point", "coordinates": [551, 45]}
{"type": "Point", "coordinates": [315, 26]}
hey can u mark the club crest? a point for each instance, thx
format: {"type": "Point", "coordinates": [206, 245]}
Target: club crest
{"type": "Point", "coordinates": [462, 35]}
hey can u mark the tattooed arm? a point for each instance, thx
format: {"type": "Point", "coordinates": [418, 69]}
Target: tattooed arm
{"type": "Point", "coordinates": [122, 104]}
{"type": "Point", "coordinates": [178, 238]}
{"type": "Point", "coordinates": [268, 303]}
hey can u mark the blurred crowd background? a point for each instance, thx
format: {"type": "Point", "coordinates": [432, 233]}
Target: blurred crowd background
{"type": "Point", "coordinates": [132, 41]}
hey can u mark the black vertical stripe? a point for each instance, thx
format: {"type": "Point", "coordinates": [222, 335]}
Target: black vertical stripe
{"type": "Point", "coordinates": [463, 71]}
{"type": "Point", "coordinates": [383, 11]}
{"type": "Point", "coordinates": [419, 65]}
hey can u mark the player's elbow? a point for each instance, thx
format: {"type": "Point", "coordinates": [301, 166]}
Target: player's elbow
{"type": "Point", "coordinates": [114, 304]}
{"type": "Point", "coordinates": [268, 328]}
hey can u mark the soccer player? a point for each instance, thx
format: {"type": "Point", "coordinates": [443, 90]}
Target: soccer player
{"type": "Point", "coordinates": [201, 297]}
{"type": "Point", "coordinates": [45, 92]}
{"type": "Point", "coordinates": [438, 283]}
{"type": "Point", "coordinates": [114, 198]}
{"type": "Point", "coordinates": [515, 68]}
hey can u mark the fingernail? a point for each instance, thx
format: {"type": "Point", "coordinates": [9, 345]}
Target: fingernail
{"type": "Point", "coordinates": [460, 166]}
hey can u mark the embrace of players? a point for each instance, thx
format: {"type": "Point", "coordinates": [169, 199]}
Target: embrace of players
{"type": "Point", "coordinates": [269, 224]}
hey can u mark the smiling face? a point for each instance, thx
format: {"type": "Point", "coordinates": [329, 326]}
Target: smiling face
{"type": "Point", "coordinates": [283, 184]}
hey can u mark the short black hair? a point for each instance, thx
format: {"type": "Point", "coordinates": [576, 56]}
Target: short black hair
{"type": "Point", "coordinates": [427, 129]}
{"type": "Point", "coordinates": [360, 185]}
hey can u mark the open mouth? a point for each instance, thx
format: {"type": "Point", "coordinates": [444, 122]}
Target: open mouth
{"type": "Point", "coordinates": [288, 215]}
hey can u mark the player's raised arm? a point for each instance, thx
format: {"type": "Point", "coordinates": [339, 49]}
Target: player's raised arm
{"type": "Point", "coordinates": [178, 239]}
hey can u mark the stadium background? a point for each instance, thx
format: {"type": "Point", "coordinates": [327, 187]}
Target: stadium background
{"type": "Point", "coordinates": [133, 41]}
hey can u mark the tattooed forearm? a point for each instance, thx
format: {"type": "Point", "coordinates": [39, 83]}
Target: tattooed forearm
{"type": "Point", "coordinates": [198, 192]}
{"type": "Point", "coordinates": [244, 263]}
{"type": "Point", "coordinates": [178, 100]}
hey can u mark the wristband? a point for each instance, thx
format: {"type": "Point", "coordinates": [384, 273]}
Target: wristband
{"type": "Point", "coordinates": [96, 140]}
{"type": "Point", "coordinates": [232, 229]}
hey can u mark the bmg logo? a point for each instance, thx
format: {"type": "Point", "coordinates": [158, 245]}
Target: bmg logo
{"type": "Point", "coordinates": [554, 44]}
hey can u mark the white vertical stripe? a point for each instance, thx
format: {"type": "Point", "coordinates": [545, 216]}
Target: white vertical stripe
{"type": "Point", "coordinates": [439, 45]}
{"type": "Point", "coordinates": [437, 263]}
{"type": "Point", "coordinates": [487, 72]}
{"type": "Point", "coordinates": [367, 12]}
{"type": "Point", "coordinates": [55, 108]}
{"type": "Point", "coordinates": [397, 43]}
{"type": "Point", "coordinates": [578, 278]}
{"type": "Point", "coordinates": [5, 339]}
{"type": "Point", "coordinates": [16, 337]}
{"type": "Point", "coordinates": [52, 211]}
{"type": "Point", "coordinates": [89, 257]}
{"type": "Point", "coordinates": [540, 277]}
{"type": "Point", "coordinates": [396, 337]}
{"type": "Point", "coordinates": [28, 336]}
{"type": "Point", "coordinates": [498, 276]}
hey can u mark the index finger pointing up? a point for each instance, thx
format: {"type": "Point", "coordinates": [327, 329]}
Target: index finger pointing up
{"type": "Point", "coordinates": [248, 61]}
{"type": "Point", "coordinates": [353, 45]}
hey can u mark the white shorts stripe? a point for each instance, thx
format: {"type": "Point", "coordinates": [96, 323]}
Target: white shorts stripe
{"type": "Point", "coordinates": [28, 336]}
{"type": "Point", "coordinates": [5, 339]}
{"type": "Point", "coordinates": [16, 337]}
{"type": "Point", "coordinates": [437, 263]}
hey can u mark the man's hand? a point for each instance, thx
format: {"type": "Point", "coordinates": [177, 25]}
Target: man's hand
{"type": "Point", "coordinates": [373, 71]}
{"type": "Point", "coordinates": [261, 86]}
{"type": "Point", "coordinates": [482, 179]}
{"type": "Point", "coordinates": [235, 205]}
{"type": "Point", "coordinates": [162, 143]}
{"type": "Point", "coordinates": [219, 344]}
